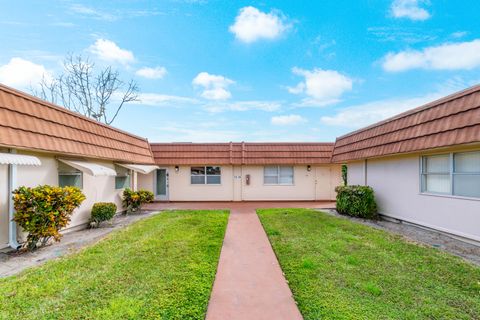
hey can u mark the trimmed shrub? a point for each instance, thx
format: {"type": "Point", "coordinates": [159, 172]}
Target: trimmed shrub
{"type": "Point", "coordinates": [44, 210]}
{"type": "Point", "coordinates": [133, 201]}
{"type": "Point", "coordinates": [102, 211]}
{"type": "Point", "coordinates": [356, 201]}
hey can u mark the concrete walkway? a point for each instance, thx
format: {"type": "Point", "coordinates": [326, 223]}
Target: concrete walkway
{"type": "Point", "coordinates": [249, 284]}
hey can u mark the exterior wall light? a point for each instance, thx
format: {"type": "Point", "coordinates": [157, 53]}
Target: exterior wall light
{"type": "Point", "coordinates": [309, 168]}
{"type": "Point", "coordinates": [177, 169]}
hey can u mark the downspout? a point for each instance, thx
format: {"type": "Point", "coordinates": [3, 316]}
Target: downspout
{"type": "Point", "coordinates": [12, 225]}
{"type": "Point", "coordinates": [366, 172]}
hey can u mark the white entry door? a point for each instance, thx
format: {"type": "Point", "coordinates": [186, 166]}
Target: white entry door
{"type": "Point", "coordinates": [161, 184]}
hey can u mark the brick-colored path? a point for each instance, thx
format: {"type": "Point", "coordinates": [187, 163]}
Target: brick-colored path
{"type": "Point", "coordinates": [249, 284]}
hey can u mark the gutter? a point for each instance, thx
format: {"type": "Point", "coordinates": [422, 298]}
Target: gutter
{"type": "Point", "coordinates": [12, 225]}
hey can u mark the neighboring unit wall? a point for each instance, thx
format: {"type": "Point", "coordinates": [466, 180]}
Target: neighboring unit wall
{"type": "Point", "coordinates": [396, 182]}
{"type": "Point", "coordinates": [303, 187]}
{"type": "Point", "coordinates": [317, 184]}
{"type": "Point", "coordinates": [180, 188]}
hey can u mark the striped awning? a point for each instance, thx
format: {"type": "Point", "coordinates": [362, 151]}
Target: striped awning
{"type": "Point", "coordinates": [141, 168]}
{"type": "Point", "coordinates": [20, 159]}
{"type": "Point", "coordinates": [90, 168]}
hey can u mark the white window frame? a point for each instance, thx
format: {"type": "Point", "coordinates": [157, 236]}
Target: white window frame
{"type": "Point", "coordinates": [74, 172]}
{"type": "Point", "coordinates": [278, 176]}
{"type": "Point", "coordinates": [123, 173]}
{"type": "Point", "coordinates": [127, 184]}
{"type": "Point", "coordinates": [452, 174]}
{"type": "Point", "coordinates": [205, 180]}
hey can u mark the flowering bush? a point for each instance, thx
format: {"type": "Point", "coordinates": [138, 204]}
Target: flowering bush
{"type": "Point", "coordinates": [44, 210]}
{"type": "Point", "coordinates": [145, 196]}
{"type": "Point", "coordinates": [132, 200]}
{"type": "Point", "coordinates": [102, 211]}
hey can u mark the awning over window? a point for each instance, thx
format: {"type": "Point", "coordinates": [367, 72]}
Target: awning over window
{"type": "Point", "coordinates": [20, 159]}
{"type": "Point", "coordinates": [90, 168]}
{"type": "Point", "coordinates": [141, 168]}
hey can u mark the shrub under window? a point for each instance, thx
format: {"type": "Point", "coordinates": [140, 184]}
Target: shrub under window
{"type": "Point", "coordinates": [44, 210]}
{"type": "Point", "coordinates": [102, 211]}
{"type": "Point", "coordinates": [356, 201]}
{"type": "Point", "coordinates": [133, 200]}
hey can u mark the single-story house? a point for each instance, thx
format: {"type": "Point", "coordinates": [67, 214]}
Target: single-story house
{"type": "Point", "coordinates": [242, 172]}
{"type": "Point", "coordinates": [41, 143]}
{"type": "Point", "coordinates": [424, 164]}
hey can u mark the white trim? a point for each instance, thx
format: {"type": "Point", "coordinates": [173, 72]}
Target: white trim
{"type": "Point", "coordinates": [90, 168]}
{"type": "Point", "coordinates": [19, 159]}
{"type": "Point", "coordinates": [141, 168]}
{"type": "Point", "coordinates": [12, 225]}
{"type": "Point", "coordinates": [450, 196]}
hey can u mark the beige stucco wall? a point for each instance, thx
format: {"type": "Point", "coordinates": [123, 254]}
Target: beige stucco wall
{"type": "Point", "coordinates": [146, 181]}
{"type": "Point", "coordinates": [317, 184]}
{"type": "Point", "coordinates": [396, 183]}
{"type": "Point", "coordinates": [356, 173]}
{"type": "Point", "coordinates": [96, 189]}
{"type": "Point", "coordinates": [180, 188]}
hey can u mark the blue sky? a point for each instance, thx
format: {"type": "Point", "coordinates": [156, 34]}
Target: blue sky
{"type": "Point", "coordinates": [253, 70]}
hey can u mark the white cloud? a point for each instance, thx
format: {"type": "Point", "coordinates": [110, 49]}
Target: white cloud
{"type": "Point", "coordinates": [91, 12]}
{"type": "Point", "coordinates": [159, 100]}
{"type": "Point", "coordinates": [215, 87]}
{"type": "Point", "coordinates": [108, 50]}
{"type": "Point", "coordinates": [267, 106]}
{"type": "Point", "coordinates": [322, 87]}
{"type": "Point", "coordinates": [152, 73]}
{"type": "Point", "coordinates": [409, 9]}
{"type": "Point", "coordinates": [252, 24]}
{"type": "Point", "coordinates": [22, 73]}
{"type": "Point", "coordinates": [459, 34]}
{"type": "Point", "coordinates": [197, 132]}
{"type": "Point", "coordinates": [450, 56]}
{"type": "Point", "coordinates": [365, 114]}
{"type": "Point", "coordinates": [288, 120]}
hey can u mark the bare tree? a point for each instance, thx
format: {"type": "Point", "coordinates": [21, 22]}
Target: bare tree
{"type": "Point", "coordinates": [99, 95]}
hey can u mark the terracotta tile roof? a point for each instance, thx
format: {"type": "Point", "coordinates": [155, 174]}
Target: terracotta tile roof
{"type": "Point", "coordinates": [449, 121]}
{"type": "Point", "coordinates": [27, 122]}
{"type": "Point", "coordinates": [241, 153]}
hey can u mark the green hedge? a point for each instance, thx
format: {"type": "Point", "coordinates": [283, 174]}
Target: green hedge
{"type": "Point", "coordinates": [102, 211]}
{"type": "Point", "coordinates": [356, 201]}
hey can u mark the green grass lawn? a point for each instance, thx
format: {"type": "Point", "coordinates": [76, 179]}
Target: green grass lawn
{"type": "Point", "coordinates": [338, 269]}
{"type": "Point", "coordinates": [162, 267]}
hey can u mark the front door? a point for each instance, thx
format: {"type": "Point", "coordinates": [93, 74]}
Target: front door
{"type": "Point", "coordinates": [161, 185]}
